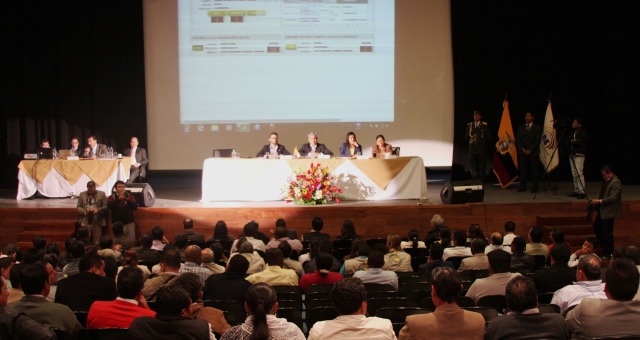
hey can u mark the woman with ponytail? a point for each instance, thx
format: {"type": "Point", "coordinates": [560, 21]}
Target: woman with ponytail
{"type": "Point", "coordinates": [322, 274]}
{"type": "Point", "coordinates": [262, 324]}
{"type": "Point", "coordinates": [414, 240]}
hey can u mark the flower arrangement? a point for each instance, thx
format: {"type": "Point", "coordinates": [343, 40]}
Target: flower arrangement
{"type": "Point", "coordinates": [311, 187]}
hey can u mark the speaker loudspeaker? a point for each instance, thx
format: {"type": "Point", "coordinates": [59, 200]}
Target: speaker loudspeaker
{"type": "Point", "coordinates": [143, 193]}
{"type": "Point", "coordinates": [462, 192]}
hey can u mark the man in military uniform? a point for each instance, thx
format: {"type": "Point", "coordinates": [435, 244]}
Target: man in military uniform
{"type": "Point", "coordinates": [478, 136]}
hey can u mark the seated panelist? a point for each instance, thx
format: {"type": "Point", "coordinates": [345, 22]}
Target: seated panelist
{"type": "Point", "coordinates": [351, 147]}
{"type": "Point", "coordinates": [273, 148]}
{"type": "Point", "coordinates": [313, 149]}
{"type": "Point", "coordinates": [381, 148]}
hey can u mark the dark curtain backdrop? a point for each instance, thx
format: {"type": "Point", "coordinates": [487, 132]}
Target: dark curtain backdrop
{"type": "Point", "coordinates": [74, 68]}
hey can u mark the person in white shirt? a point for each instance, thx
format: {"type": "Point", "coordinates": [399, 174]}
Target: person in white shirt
{"type": "Point", "coordinates": [460, 238]}
{"type": "Point", "coordinates": [499, 264]}
{"type": "Point", "coordinates": [349, 297]}
{"type": "Point", "coordinates": [497, 242]}
{"type": "Point", "coordinates": [375, 273]}
{"type": "Point", "coordinates": [509, 233]}
{"type": "Point", "coordinates": [587, 248]}
{"type": "Point", "coordinates": [249, 232]}
{"type": "Point", "coordinates": [588, 285]}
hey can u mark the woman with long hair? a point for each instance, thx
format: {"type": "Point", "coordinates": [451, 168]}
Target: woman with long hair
{"type": "Point", "coordinates": [322, 274]}
{"type": "Point", "coordinates": [381, 148]}
{"type": "Point", "coordinates": [220, 233]}
{"type": "Point", "coordinates": [130, 259]}
{"type": "Point", "coordinates": [348, 231]}
{"type": "Point", "coordinates": [414, 240]}
{"type": "Point", "coordinates": [351, 147]}
{"type": "Point", "coordinates": [262, 324]}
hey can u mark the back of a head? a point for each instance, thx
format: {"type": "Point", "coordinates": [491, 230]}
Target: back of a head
{"type": "Point", "coordinates": [460, 237]}
{"type": "Point", "coordinates": [106, 242]}
{"type": "Point", "coordinates": [238, 265]}
{"type": "Point", "coordinates": [172, 300]}
{"type": "Point", "coordinates": [273, 257]}
{"type": "Point", "coordinates": [436, 251]}
{"type": "Point", "coordinates": [39, 242]}
{"type": "Point", "coordinates": [348, 294]}
{"type": "Point", "coordinates": [180, 241]}
{"type": "Point", "coordinates": [187, 223]}
{"type": "Point", "coordinates": [414, 237]}
{"type": "Point", "coordinates": [14, 274]}
{"type": "Point", "coordinates": [519, 244]}
{"type": "Point", "coordinates": [478, 246]}
{"type": "Point", "coordinates": [437, 221]}
{"type": "Point", "coordinates": [157, 233]}
{"type": "Point", "coordinates": [509, 227]}
{"type": "Point", "coordinates": [521, 294]}
{"type": "Point", "coordinates": [260, 299]}
{"type": "Point", "coordinates": [363, 249]}
{"type": "Point", "coordinates": [628, 252]}
{"type": "Point", "coordinates": [246, 248]}
{"type": "Point", "coordinates": [317, 223]}
{"type": "Point", "coordinates": [445, 236]}
{"type": "Point", "coordinates": [207, 255]}
{"type": "Point", "coordinates": [590, 266]}
{"type": "Point", "coordinates": [250, 229]}
{"type": "Point", "coordinates": [349, 229]}
{"type": "Point", "coordinates": [33, 278]}
{"type": "Point", "coordinates": [220, 231]}
{"type": "Point", "coordinates": [557, 235]}
{"type": "Point", "coordinates": [622, 280]}
{"type": "Point", "coordinates": [110, 268]}
{"type": "Point", "coordinates": [146, 240]}
{"type": "Point", "coordinates": [118, 228]}
{"type": "Point", "coordinates": [375, 259]}
{"type": "Point", "coordinates": [83, 233]}
{"type": "Point", "coordinates": [446, 282]}
{"type": "Point", "coordinates": [324, 262]}
{"type": "Point", "coordinates": [32, 255]}
{"type": "Point", "coordinates": [476, 232]}
{"type": "Point", "coordinates": [285, 248]}
{"type": "Point", "coordinates": [89, 261]}
{"type": "Point", "coordinates": [193, 254]}
{"type": "Point", "coordinates": [394, 241]}
{"type": "Point", "coordinates": [281, 223]}
{"type": "Point", "coordinates": [76, 248]}
{"type": "Point", "coordinates": [192, 284]}
{"type": "Point", "coordinates": [536, 235]}
{"type": "Point", "coordinates": [280, 232]}
{"type": "Point", "coordinates": [130, 282]}
{"type": "Point", "coordinates": [499, 260]}
{"type": "Point", "coordinates": [560, 252]}
{"type": "Point", "coordinates": [496, 239]}
{"type": "Point", "coordinates": [129, 258]}
{"type": "Point", "coordinates": [52, 247]}
{"type": "Point", "coordinates": [171, 259]}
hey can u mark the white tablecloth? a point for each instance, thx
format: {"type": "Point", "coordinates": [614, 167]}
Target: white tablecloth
{"type": "Point", "coordinates": [225, 179]}
{"type": "Point", "coordinates": [54, 185]}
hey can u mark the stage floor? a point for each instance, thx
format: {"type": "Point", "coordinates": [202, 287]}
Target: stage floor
{"type": "Point", "coordinates": [187, 195]}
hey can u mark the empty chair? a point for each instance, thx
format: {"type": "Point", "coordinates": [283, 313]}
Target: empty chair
{"type": "Point", "coordinates": [376, 303]}
{"type": "Point", "coordinates": [465, 301]}
{"type": "Point", "coordinates": [409, 279]}
{"type": "Point", "coordinates": [289, 304]}
{"type": "Point", "coordinates": [342, 244]}
{"type": "Point", "coordinates": [321, 314]}
{"type": "Point", "coordinates": [318, 303]}
{"type": "Point", "coordinates": [497, 302]}
{"type": "Point", "coordinates": [406, 274]}
{"type": "Point", "coordinates": [488, 313]}
{"type": "Point", "coordinates": [288, 293]}
{"type": "Point", "coordinates": [103, 334]}
{"type": "Point", "coordinates": [384, 294]}
{"type": "Point", "coordinates": [418, 295]}
{"type": "Point", "coordinates": [416, 252]}
{"type": "Point", "coordinates": [217, 153]}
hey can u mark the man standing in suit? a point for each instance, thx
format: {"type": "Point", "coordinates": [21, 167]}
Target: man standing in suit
{"type": "Point", "coordinates": [528, 143]}
{"type": "Point", "coordinates": [313, 148]}
{"type": "Point", "coordinates": [97, 150]}
{"type": "Point", "coordinates": [448, 321]}
{"type": "Point", "coordinates": [138, 160]}
{"type": "Point", "coordinates": [273, 148]}
{"type": "Point", "coordinates": [609, 206]}
{"type": "Point", "coordinates": [92, 210]}
{"type": "Point", "coordinates": [478, 135]}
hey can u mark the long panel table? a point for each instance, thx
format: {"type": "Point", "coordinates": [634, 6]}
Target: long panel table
{"type": "Point", "coordinates": [63, 178]}
{"type": "Point", "coordinates": [226, 179]}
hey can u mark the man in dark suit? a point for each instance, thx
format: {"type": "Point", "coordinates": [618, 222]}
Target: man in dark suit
{"type": "Point", "coordinates": [316, 226]}
{"type": "Point", "coordinates": [609, 206]}
{"type": "Point", "coordinates": [97, 150]}
{"type": "Point", "coordinates": [559, 274]}
{"type": "Point", "coordinates": [528, 143]}
{"type": "Point", "coordinates": [312, 149]}
{"type": "Point", "coordinates": [188, 231]}
{"type": "Point", "coordinates": [79, 291]}
{"type": "Point", "coordinates": [273, 148]}
{"type": "Point", "coordinates": [138, 160]}
{"type": "Point", "coordinates": [92, 210]}
{"type": "Point", "coordinates": [75, 150]}
{"type": "Point", "coordinates": [478, 136]}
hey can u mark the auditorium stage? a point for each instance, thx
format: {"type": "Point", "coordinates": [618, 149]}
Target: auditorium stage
{"type": "Point", "coordinates": [180, 198]}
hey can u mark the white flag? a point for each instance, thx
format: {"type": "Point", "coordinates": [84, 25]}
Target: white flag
{"type": "Point", "coordinates": [549, 142]}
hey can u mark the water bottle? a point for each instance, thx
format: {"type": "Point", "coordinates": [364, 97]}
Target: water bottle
{"type": "Point", "coordinates": [109, 152]}
{"type": "Point", "coordinates": [54, 154]}
{"type": "Point", "coordinates": [233, 153]}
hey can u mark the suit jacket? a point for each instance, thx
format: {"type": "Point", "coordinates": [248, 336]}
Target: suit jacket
{"type": "Point", "coordinates": [529, 140]}
{"type": "Point", "coordinates": [344, 150]}
{"type": "Point", "coordinates": [267, 148]}
{"type": "Point", "coordinates": [79, 291]}
{"type": "Point", "coordinates": [313, 234]}
{"type": "Point", "coordinates": [141, 157]}
{"type": "Point", "coordinates": [101, 151]}
{"type": "Point", "coordinates": [595, 318]}
{"type": "Point", "coordinates": [193, 236]}
{"type": "Point", "coordinates": [47, 313]}
{"type": "Point", "coordinates": [101, 204]}
{"type": "Point", "coordinates": [528, 326]}
{"type": "Point", "coordinates": [478, 261]}
{"type": "Point", "coordinates": [320, 148]}
{"type": "Point", "coordinates": [445, 323]}
{"type": "Point", "coordinates": [611, 195]}
{"type": "Point", "coordinates": [477, 137]}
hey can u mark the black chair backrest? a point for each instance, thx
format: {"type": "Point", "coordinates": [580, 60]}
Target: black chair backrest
{"type": "Point", "coordinates": [377, 287]}
{"type": "Point", "coordinates": [384, 294]}
{"type": "Point", "coordinates": [413, 279]}
{"type": "Point", "coordinates": [311, 304]}
{"type": "Point", "coordinates": [217, 153]}
{"type": "Point", "coordinates": [293, 315]}
{"type": "Point", "coordinates": [340, 253]}
{"type": "Point", "coordinates": [342, 244]}
{"type": "Point", "coordinates": [487, 312]}
{"type": "Point", "coordinates": [413, 286]}
{"type": "Point", "coordinates": [456, 260]}
{"type": "Point", "coordinates": [540, 261]}
{"type": "Point", "coordinates": [497, 302]}
{"type": "Point", "coordinates": [102, 333]}
{"type": "Point", "coordinates": [322, 288]}
{"type": "Point", "coordinates": [406, 274]}
{"type": "Point", "coordinates": [82, 317]}
{"type": "Point", "coordinates": [417, 252]}
{"type": "Point", "coordinates": [545, 298]}
{"type": "Point", "coordinates": [399, 314]}
{"type": "Point", "coordinates": [428, 304]}
{"type": "Point", "coordinates": [465, 301]}
{"type": "Point", "coordinates": [376, 303]}
{"type": "Point", "coordinates": [289, 304]}
{"type": "Point", "coordinates": [418, 295]}
{"type": "Point", "coordinates": [320, 314]}
{"type": "Point", "coordinates": [373, 241]}
{"type": "Point", "coordinates": [472, 275]}
{"type": "Point", "coordinates": [549, 308]}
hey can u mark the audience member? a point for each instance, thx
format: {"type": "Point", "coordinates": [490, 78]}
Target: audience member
{"type": "Point", "coordinates": [521, 261]}
{"type": "Point", "coordinates": [119, 237]}
{"type": "Point", "coordinates": [79, 291]}
{"type": "Point", "coordinates": [524, 320]}
{"type": "Point", "coordinates": [396, 259]}
{"type": "Point", "coordinates": [558, 275]}
{"type": "Point", "coordinates": [193, 256]}
{"type": "Point", "coordinates": [39, 242]}
{"type": "Point", "coordinates": [130, 259]}
{"type": "Point", "coordinates": [256, 263]}
{"type": "Point", "coordinates": [215, 317]}
{"type": "Point", "coordinates": [445, 238]}
{"type": "Point", "coordinates": [615, 316]}
{"type": "Point", "coordinates": [349, 297]}
{"type": "Point", "coordinates": [348, 231]}
{"type": "Point", "coordinates": [375, 273]}
{"type": "Point", "coordinates": [509, 233]}
{"type": "Point", "coordinates": [174, 319]}
{"type": "Point", "coordinates": [158, 238]}
{"type": "Point", "coordinates": [180, 242]}
{"type": "Point", "coordinates": [588, 285]}
{"type": "Point", "coordinates": [192, 236]}
{"type": "Point", "coordinates": [316, 230]}
{"type": "Point", "coordinates": [169, 272]}
{"type": "Point", "coordinates": [15, 292]}
{"type": "Point", "coordinates": [479, 259]}
{"type": "Point", "coordinates": [318, 247]}
{"type": "Point", "coordinates": [219, 257]}
{"type": "Point", "coordinates": [475, 232]}
{"type": "Point", "coordinates": [322, 275]}
{"type": "Point", "coordinates": [352, 265]}
{"type": "Point", "coordinates": [231, 284]}
{"type": "Point", "coordinates": [281, 235]}
{"type": "Point", "coordinates": [497, 243]}
{"type": "Point", "coordinates": [249, 232]}
{"type": "Point", "coordinates": [220, 233]}
{"type": "Point", "coordinates": [106, 249]}
{"type": "Point", "coordinates": [557, 236]}
{"type": "Point", "coordinates": [535, 245]}
{"type": "Point", "coordinates": [31, 256]}
{"type": "Point", "coordinates": [288, 263]}
{"type": "Point", "coordinates": [414, 240]}
{"type": "Point", "coordinates": [448, 321]}
{"type": "Point", "coordinates": [129, 304]}
{"type": "Point", "coordinates": [207, 262]}
{"type": "Point", "coordinates": [632, 253]}
{"type": "Point", "coordinates": [261, 305]}
{"type": "Point", "coordinates": [434, 260]}
{"type": "Point", "coordinates": [34, 281]}
{"type": "Point", "coordinates": [587, 248]}
{"type": "Point", "coordinates": [76, 249]}
{"type": "Point", "coordinates": [14, 324]}
{"type": "Point", "coordinates": [499, 262]}
{"type": "Point", "coordinates": [437, 223]}
{"type": "Point", "coordinates": [274, 274]}
{"type": "Point", "coordinates": [460, 249]}
{"type": "Point", "coordinates": [5, 268]}
{"type": "Point", "coordinates": [145, 253]}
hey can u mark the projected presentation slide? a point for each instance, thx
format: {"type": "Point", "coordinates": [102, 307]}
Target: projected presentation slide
{"type": "Point", "coordinates": [286, 61]}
